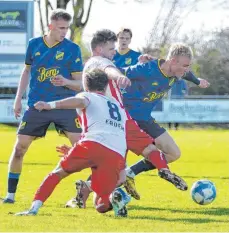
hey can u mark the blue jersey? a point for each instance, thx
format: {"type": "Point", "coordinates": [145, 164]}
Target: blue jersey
{"type": "Point", "coordinates": [148, 86]}
{"type": "Point", "coordinates": [64, 58]}
{"type": "Point", "coordinates": [179, 90]}
{"type": "Point", "coordinates": [126, 59]}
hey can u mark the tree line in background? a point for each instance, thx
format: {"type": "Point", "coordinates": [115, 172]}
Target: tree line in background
{"type": "Point", "coordinates": [211, 49]}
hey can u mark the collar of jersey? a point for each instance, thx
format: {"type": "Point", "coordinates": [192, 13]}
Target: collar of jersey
{"type": "Point", "coordinates": [159, 66]}
{"type": "Point", "coordinates": [47, 43]}
{"type": "Point", "coordinates": [122, 52]}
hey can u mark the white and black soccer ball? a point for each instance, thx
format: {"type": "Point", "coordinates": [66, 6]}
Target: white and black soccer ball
{"type": "Point", "coordinates": [203, 192]}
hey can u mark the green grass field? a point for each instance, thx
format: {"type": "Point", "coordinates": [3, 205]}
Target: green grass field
{"type": "Point", "coordinates": [205, 154]}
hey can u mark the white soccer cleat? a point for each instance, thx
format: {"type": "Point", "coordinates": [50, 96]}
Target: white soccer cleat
{"type": "Point", "coordinates": [27, 213]}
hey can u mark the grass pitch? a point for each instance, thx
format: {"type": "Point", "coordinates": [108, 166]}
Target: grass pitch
{"type": "Point", "coordinates": [162, 208]}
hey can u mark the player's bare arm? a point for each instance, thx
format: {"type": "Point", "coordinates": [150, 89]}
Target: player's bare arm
{"type": "Point", "coordinates": [114, 74]}
{"type": "Point", "coordinates": [68, 103]}
{"type": "Point", "coordinates": [23, 83]}
{"type": "Point", "coordinates": [74, 84]}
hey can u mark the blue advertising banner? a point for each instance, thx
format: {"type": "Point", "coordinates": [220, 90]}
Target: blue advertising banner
{"type": "Point", "coordinates": [193, 111]}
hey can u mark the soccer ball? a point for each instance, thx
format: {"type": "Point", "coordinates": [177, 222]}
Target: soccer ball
{"type": "Point", "coordinates": [203, 192]}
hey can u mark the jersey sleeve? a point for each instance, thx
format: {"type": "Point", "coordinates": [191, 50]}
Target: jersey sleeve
{"type": "Point", "coordinates": [86, 95]}
{"type": "Point", "coordinates": [139, 71]}
{"type": "Point", "coordinates": [76, 64]}
{"type": "Point", "coordinates": [189, 76]}
{"type": "Point", "coordinates": [28, 55]}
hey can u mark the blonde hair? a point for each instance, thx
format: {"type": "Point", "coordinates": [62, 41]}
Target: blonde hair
{"type": "Point", "coordinates": [180, 49]}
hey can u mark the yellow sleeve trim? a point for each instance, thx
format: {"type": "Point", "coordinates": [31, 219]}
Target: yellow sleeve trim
{"type": "Point", "coordinates": [76, 72]}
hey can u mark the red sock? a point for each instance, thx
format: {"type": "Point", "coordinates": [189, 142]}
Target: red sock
{"type": "Point", "coordinates": [158, 159]}
{"type": "Point", "coordinates": [47, 187]}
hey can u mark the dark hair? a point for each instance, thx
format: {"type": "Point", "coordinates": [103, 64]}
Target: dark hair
{"type": "Point", "coordinates": [60, 14]}
{"type": "Point", "coordinates": [95, 80]}
{"type": "Point", "coordinates": [102, 37]}
{"type": "Point", "coordinates": [128, 30]}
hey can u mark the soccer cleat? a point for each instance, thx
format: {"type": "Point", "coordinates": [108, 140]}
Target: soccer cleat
{"type": "Point", "coordinates": [7, 201]}
{"type": "Point", "coordinates": [130, 187]}
{"type": "Point", "coordinates": [122, 212]}
{"type": "Point", "coordinates": [177, 181]}
{"type": "Point", "coordinates": [118, 204]}
{"type": "Point", "coordinates": [27, 213]}
{"type": "Point", "coordinates": [126, 198]}
{"type": "Point", "coordinates": [82, 194]}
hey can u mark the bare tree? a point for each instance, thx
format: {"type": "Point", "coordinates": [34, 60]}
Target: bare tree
{"type": "Point", "coordinates": [168, 21]}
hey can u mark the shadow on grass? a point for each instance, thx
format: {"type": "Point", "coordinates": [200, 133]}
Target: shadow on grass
{"type": "Point", "coordinates": [185, 220]}
{"type": "Point", "coordinates": [195, 177]}
{"type": "Point", "coordinates": [212, 212]}
{"type": "Point", "coordinates": [43, 164]}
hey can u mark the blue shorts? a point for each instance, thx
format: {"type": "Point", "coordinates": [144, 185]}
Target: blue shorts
{"type": "Point", "coordinates": [36, 123]}
{"type": "Point", "coordinates": [151, 127]}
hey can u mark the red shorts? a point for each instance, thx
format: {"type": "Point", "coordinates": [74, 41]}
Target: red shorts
{"type": "Point", "coordinates": [105, 165]}
{"type": "Point", "coordinates": [137, 139]}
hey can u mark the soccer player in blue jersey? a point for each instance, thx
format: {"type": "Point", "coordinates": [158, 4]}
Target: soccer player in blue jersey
{"type": "Point", "coordinates": [52, 69]}
{"type": "Point", "coordinates": [124, 55]}
{"type": "Point", "coordinates": [150, 82]}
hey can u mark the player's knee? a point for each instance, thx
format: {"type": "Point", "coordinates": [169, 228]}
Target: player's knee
{"type": "Point", "coordinates": [175, 154]}
{"type": "Point", "coordinates": [150, 148]}
{"type": "Point", "coordinates": [19, 151]}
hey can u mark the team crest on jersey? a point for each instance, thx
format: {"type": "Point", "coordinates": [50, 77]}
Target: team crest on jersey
{"type": "Point", "coordinates": [128, 61]}
{"type": "Point", "coordinates": [59, 55]}
{"type": "Point", "coordinates": [155, 84]}
{"type": "Point", "coordinates": [37, 54]}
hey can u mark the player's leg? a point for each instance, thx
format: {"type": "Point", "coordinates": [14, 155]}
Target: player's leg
{"type": "Point", "coordinates": [104, 180]}
{"type": "Point", "coordinates": [161, 136]}
{"type": "Point", "coordinates": [34, 124]}
{"type": "Point", "coordinates": [67, 123]}
{"type": "Point", "coordinates": [76, 160]}
{"type": "Point", "coordinates": [139, 142]}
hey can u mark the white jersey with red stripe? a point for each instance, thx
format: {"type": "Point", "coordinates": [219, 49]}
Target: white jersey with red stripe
{"type": "Point", "coordinates": [98, 62]}
{"type": "Point", "coordinates": [103, 121]}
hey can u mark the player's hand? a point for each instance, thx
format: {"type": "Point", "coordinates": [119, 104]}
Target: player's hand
{"type": "Point", "coordinates": [123, 82]}
{"type": "Point", "coordinates": [42, 106]}
{"type": "Point", "coordinates": [145, 58]}
{"type": "Point", "coordinates": [63, 149]}
{"type": "Point", "coordinates": [59, 81]}
{"type": "Point", "coordinates": [17, 108]}
{"type": "Point", "coordinates": [203, 83]}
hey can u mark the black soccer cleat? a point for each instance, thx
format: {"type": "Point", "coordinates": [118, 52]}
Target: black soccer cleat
{"type": "Point", "coordinates": [177, 181]}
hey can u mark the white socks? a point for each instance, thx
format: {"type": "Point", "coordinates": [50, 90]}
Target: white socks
{"type": "Point", "coordinates": [129, 172]}
{"type": "Point", "coordinates": [36, 205]}
{"type": "Point", "coordinates": [10, 196]}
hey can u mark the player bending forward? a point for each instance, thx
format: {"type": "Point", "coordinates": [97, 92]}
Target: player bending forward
{"type": "Point", "coordinates": [102, 146]}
